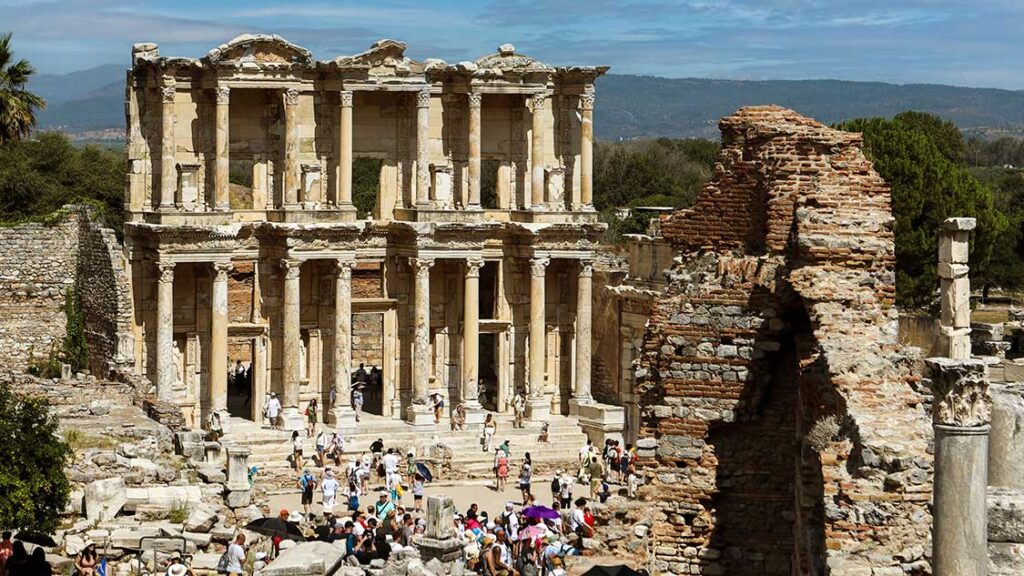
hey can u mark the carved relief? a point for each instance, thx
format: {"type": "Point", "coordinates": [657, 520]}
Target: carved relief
{"type": "Point", "coordinates": [423, 98]}
{"type": "Point", "coordinates": [167, 94]}
{"type": "Point", "coordinates": [960, 389]}
{"type": "Point", "coordinates": [587, 101]}
{"type": "Point", "coordinates": [345, 98]}
{"type": "Point", "coordinates": [166, 271]}
{"type": "Point", "coordinates": [475, 99]}
{"type": "Point", "coordinates": [223, 95]}
{"type": "Point", "coordinates": [291, 97]}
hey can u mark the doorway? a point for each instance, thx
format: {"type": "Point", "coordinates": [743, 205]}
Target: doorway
{"type": "Point", "coordinates": [241, 369]}
{"type": "Point", "coordinates": [488, 372]}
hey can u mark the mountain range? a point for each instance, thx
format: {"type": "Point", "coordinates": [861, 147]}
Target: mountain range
{"type": "Point", "coordinates": [92, 101]}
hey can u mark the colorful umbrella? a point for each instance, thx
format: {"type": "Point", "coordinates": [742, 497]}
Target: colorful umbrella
{"type": "Point", "coordinates": [542, 512]}
{"type": "Point", "coordinates": [532, 532]}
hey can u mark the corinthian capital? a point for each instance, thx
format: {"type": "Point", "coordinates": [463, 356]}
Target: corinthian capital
{"type": "Point", "coordinates": [960, 391]}
{"type": "Point", "coordinates": [475, 99]}
{"type": "Point", "coordinates": [421, 265]}
{"type": "Point", "coordinates": [346, 98]}
{"type": "Point", "coordinates": [167, 94]}
{"type": "Point", "coordinates": [586, 268]}
{"type": "Point", "coordinates": [220, 270]}
{"type": "Point", "coordinates": [166, 271]}
{"type": "Point", "coordinates": [539, 266]}
{"type": "Point", "coordinates": [223, 95]}
{"type": "Point", "coordinates": [587, 101]}
{"type": "Point", "coordinates": [423, 97]}
{"type": "Point", "coordinates": [344, 267]}
{"type": "Point", "coordinates": [473, 266]}
{"type": "Point", "coordinates": [537, 100]}
{"type": "Point", "coordinates": [291, 97]}
{"type": "Point", "coordinates": [291, 268]}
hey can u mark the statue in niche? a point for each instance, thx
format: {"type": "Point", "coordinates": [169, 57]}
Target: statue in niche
{"type": "Point", "coordinates": [303, 359]}
{"type": "Point", "coordinates": [179, 366]}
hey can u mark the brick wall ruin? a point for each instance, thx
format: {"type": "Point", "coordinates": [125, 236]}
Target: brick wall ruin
{"type": "Point", "coordinates": [38, 264]}
{"type": "Point", "coordinates": [777, 402]}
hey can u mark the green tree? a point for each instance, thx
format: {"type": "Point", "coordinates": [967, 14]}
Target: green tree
{"type": "Point", "coordinates": [17, 105]}
{"type": "Point", "coordinates": [33, 483]}
{"type": "Point", "coordinates": [927, 187]}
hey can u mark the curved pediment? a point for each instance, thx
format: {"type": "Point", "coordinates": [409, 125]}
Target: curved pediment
{"type": "Point", "coordinates": [260, 49]}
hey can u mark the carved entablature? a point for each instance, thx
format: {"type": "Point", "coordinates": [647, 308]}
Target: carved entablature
{"type": "Point", "coordinates": [384, 58]}
{"type": "Point", "coordinates": [582, 236]}
{"type": "Point", "coordinates": [506, 60]}
{"type": "Point", "coordinates": [260, 49]}
{"type": "Point", "coordinates": [960, 389]}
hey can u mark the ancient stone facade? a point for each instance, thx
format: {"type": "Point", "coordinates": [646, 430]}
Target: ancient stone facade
{"type": "Point", "coordinates": [245, 244]}
{"type": "Point", "coordinates": [781, 430]}
{"type": "Point", "coordinates": [39, 264]}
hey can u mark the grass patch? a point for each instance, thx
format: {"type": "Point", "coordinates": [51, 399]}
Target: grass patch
{"type": "Point", "coordinates": [990, 316]}
{"type": "Point", "coordinates": [79, 440]}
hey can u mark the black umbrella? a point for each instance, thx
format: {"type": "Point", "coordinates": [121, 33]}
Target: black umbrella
{"type": "Point", "coordinates": [276, 527]}
{"type": "Point", "coordinates": [617, 570]}
{"type": "Point", "coordinates": [37, 538]}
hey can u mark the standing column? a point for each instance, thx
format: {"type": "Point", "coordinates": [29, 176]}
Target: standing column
{"type": "Point", "coordinates": [291, 148]}
{"type": "Point", "coordinates": [344, 199]}
{"type": "Point", "coordinates": [584, 295]}
{"type": "Point", "coordinates": [168, 166]}
{"type": "Point", "coordinates": [219, 337]}
{"type": "Point", "coordinates": [290, 345]}
{"type": "Point", "coordinates": [955, 288]}
{"type": "Point", "coordinates": [475, 99]}
{"type": "Point", "coordinates": [422, 137]}
{"type": "Point", "coordinates": [537, 151]}
{"type": "Point", "coordinates": [587, 150]}
{"type": "Point", "coordinates": [165, 369]}
{"type": "Point", "coordinates": [420, 413]}
{"type": "Point", "coordinates": [538, 405]}
{"type": "Point", "coordinates": [220, 200]}
{"type": "Point", "coordinates": [344, 415]}
{"type": "Point", "coordinates": [471, 341]}
{"type": "Point", "coordinates": [960, 416]}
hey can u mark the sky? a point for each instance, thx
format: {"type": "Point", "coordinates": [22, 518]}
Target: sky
{"type": "Point", "coordinates": [959, 42]}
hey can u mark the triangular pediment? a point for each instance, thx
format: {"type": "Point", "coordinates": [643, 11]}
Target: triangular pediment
{"type": "Point", "coordinates": [382, 53]}
{"type": "Point", "coordinates": [260, 49]}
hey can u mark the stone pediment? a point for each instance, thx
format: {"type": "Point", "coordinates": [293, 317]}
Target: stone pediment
{"type": "Point", "coordinates": [384, 53]}
{"type": "Point", "coordinates": [260, 49]}
{"type": "Point", "coordinates": [506, 58]}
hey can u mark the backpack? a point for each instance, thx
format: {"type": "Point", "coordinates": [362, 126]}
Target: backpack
{"type": "Point", "coordinates": [222, 564]}
{"type": "Point", "coordinates": [556, 486]}
{"type": "Point", "coordinates": [353, 502]}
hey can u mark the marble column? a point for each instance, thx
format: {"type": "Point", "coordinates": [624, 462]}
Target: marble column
{"type": "Point", "coordinates": [291, 334]}
{"type": "Point", "coordinates": [955, 288]}
{"type": "Point", "coordinates": [344, 415]}
{"type": "Point", "coordinates": [537, 151]}
{"type": "Point", "coordinates": [471, 341]}
{"type": "Point", "coordinates": [474, 100]}
{"type": "Point", "coordinates": [221, 164]}
{"type": "Point", "coordinates": [165, 369]}
{"type": "Point", "coordinates": [422, 147]}
{"type": "Point", "coordinates": [420, 412]}
{"type": "Point", "coordinates": [219, 337]}
{"type": "Point", "coordinates": [291, 148]}
{"type": "Point", "coordinates": [587, 151]}
{"type": "Point", "coordinates": [344, 198]}
{"type": "Point", "coordinates": [168, 164]}
{"type": "Point", "coordinates": [538, 405]}
{"type": "Point", "coordinates": [584, 319]}
{"type": "Point", "coordinates": [960, 415]}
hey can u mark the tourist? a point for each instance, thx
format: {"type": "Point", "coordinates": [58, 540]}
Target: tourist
{"type": "Point", "coordinates": [375, 377]}
{"type": "Point", "coordinates": [251, 476]}
{"type": "Point", "coordinates": [329, 487]}
{"type": "Point", "coordinates": [510, 520]}
{"type": "Point", "coordinates": [501, 467]}
{"type": "Point", "coordinates": [321, 448]}
{"type": "Point", "coordinates": [407, 530]}
{"type": "Point", "coordinates": [37, 564]}
{"type": "Point", "coordinates": [501, 554]}
{"type": "Point", "coordinates": [353, 541]}
{"type": "Point", "coordinates": [216, 428]}
{"type": "Point", "coordinates": [490, 427]}
{"type": "Point", "coordinates": [519, 410]}
{"type": "Point", "coordinates": [459, 418]}
{"type": "Point", "coordinates": [307, 483]}
{"type": "Point", "coordinates": [605, 492]}
{"type": "Point", "coordinates": [337, 447]}
{"type": "Point", "coordinates": [312, 412]}
{"type": "Point", "coordinates": [6, 548]}
{"type": "Point", "coordinates": [296, 450]}
{"type": "Point", "coordinates": [472, 512]}
{"type": "Point", "coordinates": [596, 472]}
{"type": "Point", "coordinates": [437, 401]}
{"type": "Point", "coordinates": [624, 463]}
{"type": "Point", "coordinates": [506, 447]}
{"type": "Point", "coordinates": [357, 400]}
{"type": "Point", "coordinates": [360, 376]}
{"type": "Point", "coordinates": [633, 482]}
{"type": "Point", "coordinates": [556, 486]}
{"type": "Point", "coordinates": [363, 472]}
{"type": "Point", "coordinates": [418, 484]}
{"type": "Point", "coordinates": [543, 436]}
{"type": "Point", "coordinates": [273, 411]}
{"type": "Point", "coordinates": [377, 449]}
{"type": "Point", "coordinates": [586, 453]}
{"type": "Point", "coordinates": [176, 566]}
{"type": "Point", "coordinates": [381, 547]}
{"type": "Point", "coordinates": [410, 462]}
{"type": "Point", "coordinates": [383, 507]}
{"type": "Point", "coordinates": [352, 495]}
{"type": "Point", "coordinates": [525, 476]}
{"type": "Point", "coordinates": [85, 563]}
{"type": "Point", "coordinates": [565, 491]}
{"type": "Point", "coordinates": [390, 462]}
{"type": "Point", "coordinates": [234, 556]}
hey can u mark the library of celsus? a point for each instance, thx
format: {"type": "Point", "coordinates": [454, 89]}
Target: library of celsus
{"type": "Point", "coordinates": [468, 273]}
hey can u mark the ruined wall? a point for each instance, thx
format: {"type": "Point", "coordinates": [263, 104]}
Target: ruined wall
{"type": "Point", "coordinates": [776, 398]}
{"type": "Point", "coordinates": [37, 265]}
{"type": "Point", "coordinates": [105, 291]}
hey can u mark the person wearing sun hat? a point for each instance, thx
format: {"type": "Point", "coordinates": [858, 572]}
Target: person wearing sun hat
{"type": "Point", "coordinates": [177, 567]}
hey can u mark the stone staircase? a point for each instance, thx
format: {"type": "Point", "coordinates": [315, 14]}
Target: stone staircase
{"type": "Point", "coordinates": [270, 449]}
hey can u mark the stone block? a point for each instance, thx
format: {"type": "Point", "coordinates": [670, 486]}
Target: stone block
{"type": "Point", "coordinates": [201, 519]}
{"type": "Point", "coordinates": [954, 247]}
{"type": "Point", "coordinates": [959, 224]}
{"type": "Point", "coordinates": [306, 559]}
{"type": "Point", "coordinates": [104, 498]}
{"type": "Point", "coordinates": [440, 517]}
{"type": "Point", "coordinates": [1005, 559]}
{"type": "Point", "coordinates": [955, 302]}
{"type": "Point", "coordinates": [1005, 515]}
{"type": "Point", "coordinates": [239, 498]}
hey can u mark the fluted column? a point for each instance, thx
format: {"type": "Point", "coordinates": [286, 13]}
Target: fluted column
{"type": "Point", "coordinates": [165, 369]}
{"type": "Point", "coordinates": [168, 165]}
{"type": "Point", "coordinates": [584, 295]}
{"type": "Point", "coordinates": [538, 407]}
{"type": "Point", "coordinates": [291, 332]}
{"type": "Point", "coordinates": [421, 355]}
{"type": "Point", "coordinates": [475, 100]}
{"type": "Point", "coordinates": [960, 414]}
{"type": "Point", "coordinates": [291, 148]}
{"type": "Point", "coordinates": [422, 148]}
{"type": "Point", "coordinates": [344, 198]}
{"type": "Point", "coordinates": [344, 415]}
{"type": "Point", "coordinates": [537, 151]}
{"type": "Point", "coordinates": [587, 150]}
{"type": "Point", "coordinates": [219, 337]}
{"type": "Point", "coordinates": [471, 333]}
{"type": "Point", "coordinates": [221, 149]}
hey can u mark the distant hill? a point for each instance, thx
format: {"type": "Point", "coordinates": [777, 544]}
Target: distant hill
{"type": "Point", "coordinates": [632, 106]}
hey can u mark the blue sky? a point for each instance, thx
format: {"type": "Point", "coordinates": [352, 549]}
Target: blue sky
{"type": "Point", "coordinates": [965, 42]}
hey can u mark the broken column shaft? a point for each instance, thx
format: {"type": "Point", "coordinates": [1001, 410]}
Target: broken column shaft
{"type": "Point", "coordinates": [960, 416]}
{"type": "Point", "coordinates": [955, 288]}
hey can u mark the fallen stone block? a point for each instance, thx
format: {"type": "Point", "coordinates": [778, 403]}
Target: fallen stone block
{"type": "Point", "coordinates": [1005, 559]}
{"type": "Point", "coordinates": [1005, 515]}
{"type": "Point", "coordinates": [105, 498]}
{"type": "Point", "coordinates": [201, 519]}
{"type": "Point", "coordinates": [306, 559]}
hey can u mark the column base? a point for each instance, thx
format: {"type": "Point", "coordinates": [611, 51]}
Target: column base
{"type": "Point", "coordinates": [538, 408]}
{"type": "Point", "coordinates": [419, 415]}
{"type": "Point", "coordinates": [576, 403]}
{"type": "Point", "coordinates": [343, 418]}
{"type": "Point", "coordinates": [475, 413]}
{"type": "Point", "coordinates": [292, 419]}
